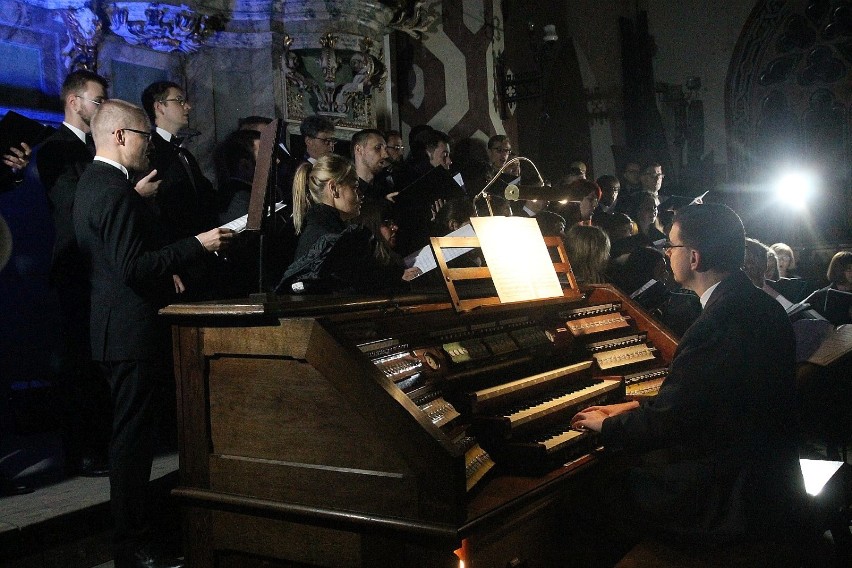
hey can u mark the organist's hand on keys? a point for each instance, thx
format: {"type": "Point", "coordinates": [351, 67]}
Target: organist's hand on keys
{"type": "Point", "coordinates": [592, 418]}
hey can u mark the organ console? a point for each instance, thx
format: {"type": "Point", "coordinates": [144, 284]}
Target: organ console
{"type": "Point", "coordinates": [333, 431]}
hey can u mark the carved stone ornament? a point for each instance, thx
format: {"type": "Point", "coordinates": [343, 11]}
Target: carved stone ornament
{"type": "Point", "coordinates": [413, 18]}
{"type": "Point", "coordinates": [14, 13]}
{"type": "Point", "coordinates": [342, 94]}
{"type": "Point", "coordinates": [85, 33]}
{"type": "Point", "coordinates": [162, 27]}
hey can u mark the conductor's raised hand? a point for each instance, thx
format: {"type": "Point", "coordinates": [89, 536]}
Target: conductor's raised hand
{"type": "Point", "coordinates": [216, 239]}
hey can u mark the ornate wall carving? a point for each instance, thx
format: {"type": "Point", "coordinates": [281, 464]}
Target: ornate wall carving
{"type": "Point", "coordinates": [162, 27]}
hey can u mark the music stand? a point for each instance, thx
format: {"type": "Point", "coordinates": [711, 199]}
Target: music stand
{"type": "Point", "coordinates": [261, 217]}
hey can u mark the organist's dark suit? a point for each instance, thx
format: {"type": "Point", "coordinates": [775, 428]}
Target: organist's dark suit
{"type": "Point", "coordinates": [131, 278]}
{"type": "Point", "coordinates": [727, 414]}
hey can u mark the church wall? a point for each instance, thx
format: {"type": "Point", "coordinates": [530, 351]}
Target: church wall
{"type": "Point", "coordinates": [697, 38]}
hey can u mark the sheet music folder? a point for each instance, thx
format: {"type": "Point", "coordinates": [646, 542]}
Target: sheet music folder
{"type": "Point", "coordinates": [16, 128]}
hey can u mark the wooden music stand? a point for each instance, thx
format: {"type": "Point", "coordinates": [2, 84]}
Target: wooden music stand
{"type": "Point", "coordinates": [454, 275]}
{"type": "Point", "coordinates": [261, 203]}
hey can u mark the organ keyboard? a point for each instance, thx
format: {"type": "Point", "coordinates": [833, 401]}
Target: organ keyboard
{"type": "Point", "coordinates": [363, 423]}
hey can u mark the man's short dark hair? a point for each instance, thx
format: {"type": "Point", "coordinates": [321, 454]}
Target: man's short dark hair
{"type": "Point", "coordinates": [314, 124]}
{"type": "Point", "coordinates": [607, 180]}
{"type": "Point", "coordinates": [76, 81]}
{"type": "Point", "coordinates": [650, 167]}
{"type": "Point", "coordinates": [432, 139]}
{"type": "Point", "coordinates": [389, 133]}
{"type": "Point", "coordinates": [496, 139]}
{"type": "Point", "coordinates": [360, 137]}
{"type": "Point", "coordinates": [717, 232]}
{"type": "Point", "coordinates": [156, 92]}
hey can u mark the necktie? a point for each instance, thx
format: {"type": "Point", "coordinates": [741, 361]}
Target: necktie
{"type": "Point", "coordinates": [177, 141]}
{"type": "Point", "coordinates": [90, 143]}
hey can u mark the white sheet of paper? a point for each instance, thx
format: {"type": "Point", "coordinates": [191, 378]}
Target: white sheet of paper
{"type": "Point", "coordinates": [517, 257]}
{"type": "Point", "coordinates": [424, 259]}
{"type": "Point", "coordinates": [238, 225]}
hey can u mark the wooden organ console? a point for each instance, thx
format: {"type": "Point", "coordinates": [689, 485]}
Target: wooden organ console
{"type": "Point", "coordinates": [396, 432]}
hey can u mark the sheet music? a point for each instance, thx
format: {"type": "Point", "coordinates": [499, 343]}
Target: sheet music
{"type": "Point", "coordinates": [836, 344]}
{"type": "Point", "coordinates": [238, 225]}
{"type": "Point", "coordinates": [424, 259]}
{"type": "Point", "coordinates": [517, 258]}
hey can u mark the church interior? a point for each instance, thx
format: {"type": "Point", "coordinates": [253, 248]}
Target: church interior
{"type": "Point", "coordinates": [731, 100]}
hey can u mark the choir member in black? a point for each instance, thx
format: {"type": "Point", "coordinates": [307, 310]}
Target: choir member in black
{"type": "Point", "coordinates": [59, 162]}
{"type": "Point", "coordinates": [185, 202]}
{"type": "Point", "coordinates": [130, 267]}
{"type": "Point", "coordinates": [833, 302]}
{"type": "Point", "coordinates": [332, 254]}
{"type": "Point", "coordinates": [429, 185]}
{"type": "Point", "coordinates": [369, 151]}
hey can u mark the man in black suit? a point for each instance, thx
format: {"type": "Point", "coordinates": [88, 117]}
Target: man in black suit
{"type": "Point", "coordinates": [724, 421]}
{"type": "Point", "coordinates": [131, 270]}
{"type": "Point", "coordinates": [185, 202]}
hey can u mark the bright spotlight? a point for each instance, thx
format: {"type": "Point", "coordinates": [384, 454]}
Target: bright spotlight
{"type": "Point", "coordinates": [795, 188]}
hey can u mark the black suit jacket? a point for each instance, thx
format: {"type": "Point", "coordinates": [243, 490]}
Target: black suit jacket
{"type": "Point", "coordinates": [130, 268]}
{"type": "Point", "coordinates": [185, 201]}
{"type": "Point", "coordinates": [60, 161]}
{"type": "Point", "coordinates": [726, 415]}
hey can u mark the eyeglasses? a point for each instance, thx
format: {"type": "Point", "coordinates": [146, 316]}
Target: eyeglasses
{"type": "Point", "coordinates": [655, 176]}
{"type": "Point", "coordinates": [400, 148]}
{"type": "Point", "coordinates": [501, 150]}
{"type": "Point", "coordinates": [96, 101]}
{"type": "Point", "coordinates": [181, 101]}
{"type": "Point", "coordinates": [145, 134]}
{"type": "Point", "coordinates": [667, 246]}
{"type": "Point", "coordinates": [326, 141]}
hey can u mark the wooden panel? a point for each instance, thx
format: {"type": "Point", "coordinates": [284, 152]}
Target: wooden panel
{"type": "Point", "coordinates": [351, 489]}
{"type": "Point", "coordinates": [280, 409]}
{"type": "Point", "coordinates": [288, 339]}
{"type": "Point", "coordinates": [290, 541]}
{"type": "Point", "coordinates": [192, 417]}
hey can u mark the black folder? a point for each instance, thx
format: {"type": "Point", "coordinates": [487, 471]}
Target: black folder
{"type": "Point", "coordinates": [16, 128]}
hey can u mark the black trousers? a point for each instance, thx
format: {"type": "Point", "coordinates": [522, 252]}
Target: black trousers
{"type": "Point", "coordinates": [87, 410]}
{"type": "Point", "coordinates": [138, 389]}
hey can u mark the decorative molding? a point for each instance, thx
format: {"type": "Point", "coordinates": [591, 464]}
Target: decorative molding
{"type": "Point", "coordinates": [414, 19]}
{"type": "Point", "coordinates": [346, 98]}
{"type": "Point", "coordinates": [14, 13]}
{"type": "Point", "coordinates": [162, 27]}
{"type": "Point", "coordinates": [85, 34]}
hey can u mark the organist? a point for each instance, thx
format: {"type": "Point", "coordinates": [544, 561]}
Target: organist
{"type": "Point", "coordinates": [725, 418]}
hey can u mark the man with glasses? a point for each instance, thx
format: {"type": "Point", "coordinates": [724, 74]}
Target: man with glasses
{"type": "Point", "coordinates": [395, 148]}
{"type": "Point", "coordinates": [59, 162]}
{"type": "Point", "coordinates": [130, 266]}
{"type": "Point", "coordinates": [724, 422]}
{"type": "Point", "coordinates": [185, 202]}
{"type": "Point", "coordinates": [318, 133]}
